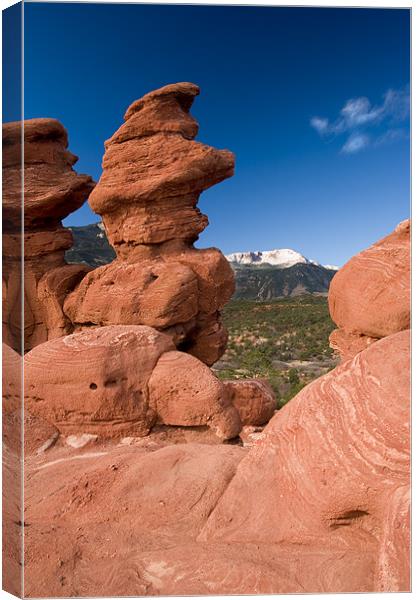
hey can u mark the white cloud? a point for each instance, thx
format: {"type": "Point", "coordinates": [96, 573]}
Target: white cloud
{"type": "Point", "coordinates": [357, 112]}
{"type": "Point", "coordinates": [390, 136]}
{"type": "Point", "coordinates": [355, 143]}
{"type": "Point", "coordinates": [397, 104]}
{"type": "Point", "coordinates": [319, 124]}
{"type": "Point", "coordinates": [358, 116]}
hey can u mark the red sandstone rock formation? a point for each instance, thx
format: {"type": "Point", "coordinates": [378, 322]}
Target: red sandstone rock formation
{"type": "Point", "coordinates": [369, 298]}
{"type": "Point", "coordinates": [147, 197]}
{"type": "Point", "coordinates": [52, 190]}
{"type": "Point", "coordinates": [184, 391]}
{"type": "Point", "coordinates": [11, 470]}
{"type": "Point", "coordinates": [254, 400]}
{"type": "Point", "coordinates": [38, 433]}
{"type": "Point", "coordinates": [102, 513]}
{"type": "Point", "coordinates": [119, 381]}
{"type": "Point", "coordinates": [126, 520]}
{"type": "Point", "coordinates": [331, 467]}
{"type": "Point", "coordinates": [320, 503]}
{"type": "Point", "coordinates": [348, 345]}
{"type": "Point", "coordinates": [11, 379]}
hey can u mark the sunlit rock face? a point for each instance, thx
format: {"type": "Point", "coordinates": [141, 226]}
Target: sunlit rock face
{"type": "Point", "coordinates": [121, 380]}
{"type": "Point", "coordinates": [369, 298]}
{"type": "Point", "coordinates": [52, 190]}
{"type": "Point", "coordinates": [320, 503]}
{"type": "Point", "coordinates": [153, 174]}
{"type": "Point", "coordinates": [333, 471]}
{"type": "Point", "coordinates": [253, 398]}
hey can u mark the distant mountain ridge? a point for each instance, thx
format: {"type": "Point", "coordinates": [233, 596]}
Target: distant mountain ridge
{"type": "Point", "coordinates": [260, 275]}
{"type": "Point", "coordinates": [283, 258]}
{"type": "Point", "coordinates": [265, 282]}
{"type": "Point", "coordinates": [90, 246]}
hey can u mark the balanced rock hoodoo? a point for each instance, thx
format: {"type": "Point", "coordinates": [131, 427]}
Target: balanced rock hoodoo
{"type": "Point", "coordinates": [153, 174]}
{"type": "Point", "coordinates": [52, 190]}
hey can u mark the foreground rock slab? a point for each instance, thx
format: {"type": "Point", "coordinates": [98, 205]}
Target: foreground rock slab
{"type": "Point", "coordinates": [128, 519]}
{"type": "Point", "coordinates": [102, 509]}
{"type": "Point", "coordinates": [332, 465]}
{"type": "Point", "coordinates": [319, 504]}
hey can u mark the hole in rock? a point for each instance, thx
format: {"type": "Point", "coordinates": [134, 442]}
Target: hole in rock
{"type": "Point", "coordinates": [184, 346]}
{"type": "Point", "coordinates": [93, 386]}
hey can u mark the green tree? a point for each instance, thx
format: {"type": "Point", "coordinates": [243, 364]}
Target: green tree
{"type": "Point", "coordinates": [293, 377]}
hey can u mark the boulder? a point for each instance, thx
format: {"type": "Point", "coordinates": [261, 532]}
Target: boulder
{"type": "Point", "coordinates": [370, 295]}
{"type": "Point", "coordinates": [184, 391]}
{"type": "Point", "coordinates": [95, 381]}
{"type": "Point", "coordinates": [254, 400]}
{"type": "Point", "coordinates": [127, 379]}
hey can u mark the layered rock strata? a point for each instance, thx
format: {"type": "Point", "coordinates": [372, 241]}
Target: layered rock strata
{"type": "Point", "coordinates": [52, 190]}
{"type": "Point", "coordinates": [320, 503]}
{"type": "Point", "coordinates": [333, 469]}
{"type": "Point", "coordinates": [153, 174]}
{"type": "Point", "coordinates": [369, 298]}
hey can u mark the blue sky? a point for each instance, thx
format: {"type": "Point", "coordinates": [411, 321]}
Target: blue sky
{"type": "Point", "coordinates": [312, 101]}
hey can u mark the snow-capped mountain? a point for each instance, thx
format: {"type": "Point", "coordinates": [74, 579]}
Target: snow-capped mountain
{"type": "Point", "coordinates": [281, 258]}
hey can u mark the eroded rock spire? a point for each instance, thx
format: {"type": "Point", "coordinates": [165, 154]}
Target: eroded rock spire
{"type": "Point", "coordinates": [153, 175]}
{"type": "Point", "coordinates": [52, 190]}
